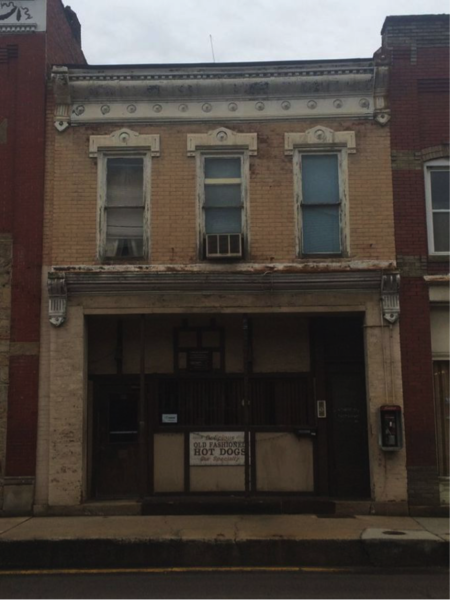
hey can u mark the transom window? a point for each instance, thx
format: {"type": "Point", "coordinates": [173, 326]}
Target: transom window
{"type": "Point", "coordinates": [438, 206]}
{"type": "Point", "coordinates": [320, 203]}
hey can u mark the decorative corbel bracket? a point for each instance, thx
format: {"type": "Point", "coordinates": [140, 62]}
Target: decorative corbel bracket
{"type": "Point", "coordinates": [57, 301]}
{"type": "Point", "coordinates": [390, 297]}
{"type": "Point", "coordinates": [63, 101]}
{"type": "Point", "coordinates": [317, 137]}
{"type": "Point", "coordinates": [222, 138]}
{"type": "Point", "coordinates": [124, 139]}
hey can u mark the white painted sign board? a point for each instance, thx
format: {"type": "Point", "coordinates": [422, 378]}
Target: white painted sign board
{"type": "Point", "coordinates": [217, 449]}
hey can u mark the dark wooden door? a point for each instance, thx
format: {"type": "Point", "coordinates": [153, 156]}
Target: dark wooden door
{"type": "Point", "coordinates": [115, 444]}
{"type": "Point", "coordinates": [343, 455]}
{"type": "Point", "coordinates": [347, 426]}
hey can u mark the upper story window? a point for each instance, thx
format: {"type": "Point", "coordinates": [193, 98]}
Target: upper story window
{"type": "Point", "coordinates": [124, 207]}
{"type": "Point", "coordinates": [223, 183]}
{"type": "Point", "coordinates": [223, 204]}
{"type": "Point", "coordinates": [320, 176]}
{"type": "Point", "coordinates": [123, 160]}
{"type": "Point", "coordinates": [321, 203]}
{"type": "Point", "coordinates": [438, 205]}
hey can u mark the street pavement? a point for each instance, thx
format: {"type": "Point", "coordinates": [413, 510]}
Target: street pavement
{"type": "Point", "coordinates": [219, 584]}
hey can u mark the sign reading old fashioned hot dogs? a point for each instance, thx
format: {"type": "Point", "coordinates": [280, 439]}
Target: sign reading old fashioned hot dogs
{"type": "Point", "coordinates": [217, 449]}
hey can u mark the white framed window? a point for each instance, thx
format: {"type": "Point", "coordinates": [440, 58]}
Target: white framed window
{"type": "Point", "coordinates": [223, 185]}
{"type": "Point", "coordinates": [124, 205]}
{"type": "Point", "coordinates": [223, 174]}
{"type": "Point", "coordinates": [321, 190]}
{"type": "Point", "coordinates": [124, 165]}
{"type": "Point", "coordinates": [321, 203]}
{"type": "Point", "coordinates": [438, 205]}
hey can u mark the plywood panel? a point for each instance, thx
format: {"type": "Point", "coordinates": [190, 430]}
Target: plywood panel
{"type": "Point", "coordinates": [169, 462]}
{"type": "Point", "coordinates": [284, 463]}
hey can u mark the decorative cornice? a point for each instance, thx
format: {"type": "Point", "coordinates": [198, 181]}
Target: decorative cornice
{"type": "Point", "coordinates": [222, 138]}
{"type": "Point", "coordinates": [319, 137]}
{"type": "Point", "coordinates": [132, 282]}
{"type": "Point", "coordinates": [342, 89]}
{"type": "Point", "coordinates": [124, 139]}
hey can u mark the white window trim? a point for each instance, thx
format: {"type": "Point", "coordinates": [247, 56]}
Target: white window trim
{"type": "Point", "coordinates": [245, 175]}
{"type": "Point", "coordinates": [343, 195]}
{"type": "Point", "coordinates": [428, 167]}
{"type": "Point", "coordinates": [102, 208]}
{"type": "Point", "coordinates": [321, 140]}
{"type": "Point", "coordinates": [123, 143]}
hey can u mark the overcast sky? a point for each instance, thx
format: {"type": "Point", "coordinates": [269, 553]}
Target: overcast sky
{"type": "Point", "coordinates": [151, 31]}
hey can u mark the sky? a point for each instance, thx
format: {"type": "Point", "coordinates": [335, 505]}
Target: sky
{"type": "Point", "coordinates": [150, 31]}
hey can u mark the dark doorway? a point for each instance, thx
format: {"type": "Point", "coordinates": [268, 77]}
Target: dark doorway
{"type": "Point", "coordinates": [116, 444]}
{"type": "Point", "coordinates": [340, 373]}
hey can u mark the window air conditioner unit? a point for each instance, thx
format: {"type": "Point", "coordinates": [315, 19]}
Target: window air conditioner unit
{"type": "Point", "coordinates": [224, 245]}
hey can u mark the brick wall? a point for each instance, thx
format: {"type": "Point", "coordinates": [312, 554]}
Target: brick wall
{"type": "Point", "coordinates": [24, 60]}
{"type": "Point", "coordinates": [71, 203]}
{"type": "Point", "coordinates": [419, 103]}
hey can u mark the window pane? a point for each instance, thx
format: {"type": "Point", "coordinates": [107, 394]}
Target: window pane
{"type": "Point", "coordinates": [320, 179]}
{"type": "Point", "coordinates": [223, 220]}
{"type": "Point", "coordinates": [439, 189]}
{"type": "Point", "coordinates": [321, 231]}
{"type": "Point", "coordinates": [222, 168]}
{"type": "Point", "coordinates": [125, 223]}
{"type": "Point", "coordinates": [223, 195]}
{"type": "Point", "coordinates": [441, 224]}
{"type": "Point", "coordinates": [125, 182]}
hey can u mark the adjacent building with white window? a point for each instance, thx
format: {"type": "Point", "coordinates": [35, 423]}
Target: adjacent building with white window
{"type": "Point", "coordinates": [223, 298]}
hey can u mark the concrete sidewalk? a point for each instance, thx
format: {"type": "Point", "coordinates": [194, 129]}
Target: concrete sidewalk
{"type": "Point", "coordinates": [220, 541]}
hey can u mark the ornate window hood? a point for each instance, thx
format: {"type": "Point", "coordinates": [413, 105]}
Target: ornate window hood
{"type": "Point", "coordinates": [328, 89]}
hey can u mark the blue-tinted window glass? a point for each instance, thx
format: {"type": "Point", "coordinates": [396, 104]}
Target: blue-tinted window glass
{"type": "Point", "coordinates": [320, 179]}
{"type": "Point", "coordinates": [222, 168]}
{"type": "Point", "coordinates": [321, 230]}
{"type": "Point", "coordinates": [223, 220]}
{"type": "Point", "coordinates": [223, 195]}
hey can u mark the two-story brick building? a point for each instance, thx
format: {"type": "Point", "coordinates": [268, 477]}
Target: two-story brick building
{"type": "Point", "coordinates": [219, 263]}
{"type": "Point", "coordinates": [33, 35]}
{"type": "Point", "coordinates": [418, 51]}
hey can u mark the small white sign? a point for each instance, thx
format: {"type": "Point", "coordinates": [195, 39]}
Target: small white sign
{"type": "Point", "coordinates": [170, 418]}
{"type": "Point", "coordinates": [217, 449]}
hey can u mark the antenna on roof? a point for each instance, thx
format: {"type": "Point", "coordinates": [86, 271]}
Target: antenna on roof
{"type": "Point", "coordinates": [212, 47]}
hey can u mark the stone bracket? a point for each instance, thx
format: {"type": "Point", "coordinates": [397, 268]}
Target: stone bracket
{"type": "Point", "coordinates": [390, 297]}
{"type": "Point", "coordinates": [63, 101]}
{"type": "Point", "coordinates": [57, 301]}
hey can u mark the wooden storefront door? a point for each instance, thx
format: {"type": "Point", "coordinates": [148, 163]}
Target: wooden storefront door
{"type": "Point", "coordinates": [343, 433]}
{"type": "Point", "coordinates": [115, 441]}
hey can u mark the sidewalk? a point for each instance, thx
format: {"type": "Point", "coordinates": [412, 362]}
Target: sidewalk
{"type": "Point", "coordinates": [222, 541]}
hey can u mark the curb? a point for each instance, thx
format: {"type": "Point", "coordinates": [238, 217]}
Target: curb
{"type": "Point", "coordinates": [124, 553]}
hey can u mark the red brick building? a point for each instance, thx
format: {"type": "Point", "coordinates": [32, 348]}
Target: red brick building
{"type": "Point", "coordinates": [33, 36]}
{"type": "Point", "coordinates": [417, 48]}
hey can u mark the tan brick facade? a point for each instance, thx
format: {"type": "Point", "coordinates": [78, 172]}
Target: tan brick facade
{"type": "Point", "coordinates": [71, 203]}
